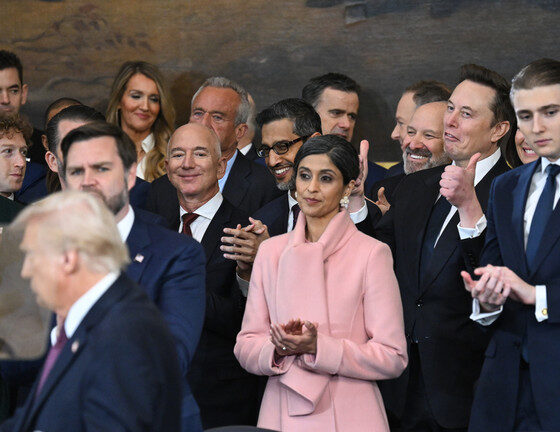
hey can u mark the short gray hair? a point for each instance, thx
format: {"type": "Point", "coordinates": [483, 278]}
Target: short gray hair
{"type": "Point", "coordinates": [244, 108]}
{"type": "Point", "coordinates": [75, 220]}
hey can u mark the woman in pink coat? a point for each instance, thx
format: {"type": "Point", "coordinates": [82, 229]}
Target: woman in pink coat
{"type": "Point", "coordinates": [323, 318]}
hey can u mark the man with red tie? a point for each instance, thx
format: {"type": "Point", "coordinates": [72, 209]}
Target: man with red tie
{"type": "Point", "coordinates": [226, 394]}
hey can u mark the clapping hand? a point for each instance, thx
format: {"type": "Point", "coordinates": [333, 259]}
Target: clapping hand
{"type": "Point", "coordinates": [294, 337]}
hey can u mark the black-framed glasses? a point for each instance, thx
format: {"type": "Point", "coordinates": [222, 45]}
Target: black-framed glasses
{"type": "Point", "coordinates": [280, 147]}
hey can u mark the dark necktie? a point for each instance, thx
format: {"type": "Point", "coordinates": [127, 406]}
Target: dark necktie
{"type": "Point", "coordinates": [188, 218]}
{"type": "Point", "coordinates": [53, 354]}
{"type": "Point", "coordinates": [295, 211]}
{"type": "Point", "coordinates": [543, 211]}
{"type": "Point", "coordinates": [440, 210]}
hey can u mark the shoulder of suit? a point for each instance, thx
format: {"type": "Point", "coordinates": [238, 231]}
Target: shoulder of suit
{"type": "Point", "coordinates": [236, 215]}
{"type": "Point", "coordinates": [165, 238]}
{"type": "Point", "coordinates": [272, 206]}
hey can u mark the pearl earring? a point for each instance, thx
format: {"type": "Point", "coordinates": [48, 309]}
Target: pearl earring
{"type": "Point", "coordinates": [344, 201]}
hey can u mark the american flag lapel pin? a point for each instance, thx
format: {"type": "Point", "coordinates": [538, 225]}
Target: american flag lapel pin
{"type": "Point", "coordinates": [139, 258]}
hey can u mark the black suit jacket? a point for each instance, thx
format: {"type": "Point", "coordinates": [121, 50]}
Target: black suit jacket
{"type": "Point", "coordinates": [226, 393]}
{"type": "Point", "coordinates": [389, 183]}
{"type": "Point", "coordinates": [119, 371]}
{"type": "Point", "coordinates": [9, 209]}
{"type": "Point", "coordinates": [252, 153]}
{"type": "Point", "coordinates": [436, 309]}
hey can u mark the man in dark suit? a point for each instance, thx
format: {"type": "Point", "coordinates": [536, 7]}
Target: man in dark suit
{"type": "Point", "coordinates": [335, 97]}
{"type": "Point", "coordinates": [14, 134]}
{"type": "Point", "coordinates": [101, 159]}
{"type": "Point", "coordinates": [432, 210]}
{"type": "Point", "coordinates": [517, 295]}
{"type": "Point", "coordinates": [415, 157]}
{"type": "Point", "coordinates": [223, 106]}
{"type": "Point", "coordinates": [112, 364]}
{"type": "Point", "coordinates": [225, 392]}
{"type": "Point", "coordinates": [13, 95]}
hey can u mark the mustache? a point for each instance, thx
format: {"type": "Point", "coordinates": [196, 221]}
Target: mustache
{"type": "Point", "coordinates": [424, 152]}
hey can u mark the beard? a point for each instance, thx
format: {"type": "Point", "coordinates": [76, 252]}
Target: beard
{"type": "Point", "coordinates": [114, 203]}
{"type": "Point", "coordinates": [287, 186]}
{"type": "Point", "coordinates": [429, 162]}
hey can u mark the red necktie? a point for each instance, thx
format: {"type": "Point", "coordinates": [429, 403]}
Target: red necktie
{"type": "Point", "coordinates": [295, 210]}
{"type": "Point", "coordinates": [188, 218]}
{"type": "Point", "coordinates": [54, 352]}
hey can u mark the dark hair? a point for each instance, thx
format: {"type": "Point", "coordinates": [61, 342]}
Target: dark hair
{"type": "Point", "coordinates": [73, 113]}
{"type": "Point", "coordinates": [337, 81]}
{"type": "Point", "coordinates": [125, 146]}
{"type": "Point", "coordinates": [305, 119]}
{"type": "Point", "coordinates": [9, 60]}
{"type": "Point", "coordinates": [501, 106]}
{"type": "Point", "coordinates": [16, 124]}
{"type": "Point", "coordinates": [539, 73]}
{"type": "Point", "coordinates": [342, 154]}
{"type": "Point", "coordinates": [510, 153]}
{"type": "Point", "coordinates": [425, 92]}
{"type": "Point", "coordinates": [60, 102]}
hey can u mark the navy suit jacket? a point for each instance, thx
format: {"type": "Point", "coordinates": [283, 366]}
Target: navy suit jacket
{"type": "Point", "coordinates": [170, 268]}
{"type": "Point", "coordinates": [437, 308]}
{"type": "Point", "coordinates": [496, 395]}
{"type": "Point", "coordinates": [225, 392]}
{"type": "Point", "coordinates": [119, 371]}
{"type": "Point", "coordinates": [375, 173]}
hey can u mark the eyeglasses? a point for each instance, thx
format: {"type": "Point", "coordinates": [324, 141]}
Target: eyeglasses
{"type": "Point", "coordinates": [280, 147]}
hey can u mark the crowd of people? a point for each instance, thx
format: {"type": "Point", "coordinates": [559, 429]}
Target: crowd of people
{"type": "Point", "coordinates": [254, 268]}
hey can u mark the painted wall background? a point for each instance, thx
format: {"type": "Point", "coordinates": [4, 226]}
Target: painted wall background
{"type": "Point", "coordinates": [75, 47]}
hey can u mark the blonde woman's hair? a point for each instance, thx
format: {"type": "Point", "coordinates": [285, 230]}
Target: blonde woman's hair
{"type": "Point", "coordinates": [74, 220]}
{"type": "Point", "coordinates": [162, 127]}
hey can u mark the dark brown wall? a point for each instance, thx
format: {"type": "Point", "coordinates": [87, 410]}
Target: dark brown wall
{"type": "Point", "coordinates": [74, 47]}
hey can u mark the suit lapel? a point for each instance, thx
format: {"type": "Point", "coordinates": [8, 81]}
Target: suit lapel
{"type": "Point", "coordinates": [211, 239]}
{"type": "Point", "coordinates": [237, 183]}
{"type": "Point", "coordinates": [519, 200]}
{"type": "Point", "coordinates": [137, 241]}
{"type": "Point", "coordinates": [280, 224]}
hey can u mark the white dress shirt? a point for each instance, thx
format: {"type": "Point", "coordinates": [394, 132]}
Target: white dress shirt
{"type": "Point", "coordinates": [205, 214]}
{"type": "Point", "coordinates": [82, 306]}
{"type": "Point", "coordinates": [125, 224]}
{"type": "Point", "coordinates": [538, 181]}
{"type": "Point", "coordinates": [147, 145]}
{"type": "Point", "coordinates": [246, 149]}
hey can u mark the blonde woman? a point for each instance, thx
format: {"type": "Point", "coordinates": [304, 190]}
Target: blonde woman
{"type": "Point", "coordinates": [141, 106]}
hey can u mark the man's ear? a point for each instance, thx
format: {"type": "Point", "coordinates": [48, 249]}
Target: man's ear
{"type": "Point", "coordinates": [499, 130]}
{"type": "Point", "coordinates": [45, 142]}
{"type": "Point", "coordinates": [240, 131]}
{"type": "Point", "coordinates": [131, 176]}
{"type": "Point", "coordinates": [51, 161]}
{"type": "Point", "coordinates": [24, 94]}
{"type": "Point", "coordinates": [70, 261]}
{"type": "Point", "coordinates": [222, 163]}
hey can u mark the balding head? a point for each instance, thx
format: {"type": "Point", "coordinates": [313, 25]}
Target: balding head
{"type": "Point", "coordinates": [194, 164]}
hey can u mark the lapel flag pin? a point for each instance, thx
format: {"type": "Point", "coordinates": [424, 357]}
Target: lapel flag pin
{"type": "Point", "coordinates": [75, 346]}
{"type": "Point", "coordinates": [139, 258]}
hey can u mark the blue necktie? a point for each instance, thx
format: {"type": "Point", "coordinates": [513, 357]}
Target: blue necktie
{"type": "Point", "coordinates": [543, 211]}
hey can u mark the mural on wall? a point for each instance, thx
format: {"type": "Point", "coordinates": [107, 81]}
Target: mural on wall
{"type": "Point", "coordinates": [74, 48]}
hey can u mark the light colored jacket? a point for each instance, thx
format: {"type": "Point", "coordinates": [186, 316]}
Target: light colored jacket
{"type": "Point", "coordinates": [345, 283]}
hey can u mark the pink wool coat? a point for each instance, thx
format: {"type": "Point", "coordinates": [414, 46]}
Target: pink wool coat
{"type": "Point", "coordinates": [344, 282]}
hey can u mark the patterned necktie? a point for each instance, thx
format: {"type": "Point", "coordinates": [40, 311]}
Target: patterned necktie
{"type": "Point", "coordinates": [543, 211]}
{"type": "Point", "coordinates": [53, 354]}
{"type": "Point", "coordinates": [188, 218]}
{"type": "Point", "coordinates": [295, 211]}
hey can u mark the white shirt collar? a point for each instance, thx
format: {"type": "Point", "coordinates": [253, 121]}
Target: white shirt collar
{"type": "Point", "coordinates": [485, 165]}
{"type": "Point", "coordinates": [10, 197]}
{"type": "Point", "coordinates": [291, 201]}
{"type": "Point", "coordinates": [125, 224]}
{"type": "Point", "coordinates": [246, 149]}
{"type": "Point", "coordinates": [148, 143]}
{"type": "Point", "coordinates": [209, 209]}
{"type": "Point", "coordinates": [545, 163]}
{"type": "Point", "coordinates": [82, 306]}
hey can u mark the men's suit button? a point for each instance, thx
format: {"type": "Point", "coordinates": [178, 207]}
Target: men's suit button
{"type": "Point", "coordinates": [419, 303]}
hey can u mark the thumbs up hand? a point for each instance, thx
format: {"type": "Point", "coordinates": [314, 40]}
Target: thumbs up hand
{"type": "Point", "coordinates": [457, 185]}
